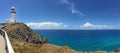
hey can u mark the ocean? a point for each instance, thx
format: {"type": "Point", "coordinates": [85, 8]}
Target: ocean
{"type": "Point", "coordinates": [84, 40]}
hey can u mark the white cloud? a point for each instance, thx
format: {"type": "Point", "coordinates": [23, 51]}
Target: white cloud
{"type": "Point", "coordinates": [72, 7]}
{"type": "Point", "coordinates": [88, 25]}
{"type": "Point", "coordinates": [46, 25]}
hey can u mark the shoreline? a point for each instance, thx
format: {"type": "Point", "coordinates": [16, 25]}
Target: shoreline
{"type": "Point", "coordinates": [81, 50]}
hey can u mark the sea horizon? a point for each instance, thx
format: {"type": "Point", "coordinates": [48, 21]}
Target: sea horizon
{"type": "Point", "coordinates": [76, 29]}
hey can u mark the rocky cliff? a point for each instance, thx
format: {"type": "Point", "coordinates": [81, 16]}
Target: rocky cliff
{"type": "Point", "coordinates": [22, 32]}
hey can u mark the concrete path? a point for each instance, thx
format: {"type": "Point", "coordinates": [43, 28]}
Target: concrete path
{"type": "Point", "coordinates": [5, 43]}
{"type": "Point", "coordinates": [2, 44]}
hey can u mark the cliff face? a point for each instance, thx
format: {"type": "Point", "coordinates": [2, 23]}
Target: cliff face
{"type": "Point", "coordinates": [22, 32]}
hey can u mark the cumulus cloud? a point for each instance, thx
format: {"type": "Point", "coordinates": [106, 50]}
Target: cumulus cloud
{"type": "Point", "coordinates": [46, 25]}
{"type": "Point", "coordinates": [88, 25]}
{"type": "Point", "coordinates": [72, 7]}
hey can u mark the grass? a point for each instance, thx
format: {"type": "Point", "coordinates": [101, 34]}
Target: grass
{"type": "Point", "coordinates": [25, 47]}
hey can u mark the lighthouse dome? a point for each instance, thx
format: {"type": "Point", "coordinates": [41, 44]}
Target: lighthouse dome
{"type": "Point", "coordinates": [13, 10]}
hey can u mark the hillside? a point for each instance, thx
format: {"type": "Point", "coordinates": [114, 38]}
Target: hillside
{"type": "Point", "coordinates": [25, 40]}
{"type": "Point", "coordinates": [26, 47]}
{"type": "Point", "coordinates": [21, 32]}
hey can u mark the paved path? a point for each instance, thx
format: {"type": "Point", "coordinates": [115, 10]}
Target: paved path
{"type": "Point", "coordinates": [2, 44]}
{"type": "Point", "coordinates": [5, 42]}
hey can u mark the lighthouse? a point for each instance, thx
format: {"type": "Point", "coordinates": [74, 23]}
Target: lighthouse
{"type": "Point", "coordinates": [13, 16]}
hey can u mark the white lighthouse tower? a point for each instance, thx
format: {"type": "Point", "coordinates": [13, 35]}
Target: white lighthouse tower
{"type": "Point", "coordinates": [13, 16]}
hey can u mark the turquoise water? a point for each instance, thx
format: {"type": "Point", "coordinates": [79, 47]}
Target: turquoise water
{"type": "Point", "coordinates": [84, 40]}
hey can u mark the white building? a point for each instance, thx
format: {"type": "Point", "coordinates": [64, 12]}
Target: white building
{"type": "Point", "coordinates": [13, 16]}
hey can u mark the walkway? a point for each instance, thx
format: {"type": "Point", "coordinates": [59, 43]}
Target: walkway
{"type": "Point", "coordinates": [2, 44]}
{"type": "Point", "coordinates": [5, 45]}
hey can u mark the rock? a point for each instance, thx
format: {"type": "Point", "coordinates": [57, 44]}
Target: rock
{"type": "Point", "coordinates": [22, 32]}
{"type": "Point", "coordinates": [118, 50]}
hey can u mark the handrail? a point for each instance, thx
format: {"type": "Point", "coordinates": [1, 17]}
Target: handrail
{"type": "Point", "coordinates": [9, 46]}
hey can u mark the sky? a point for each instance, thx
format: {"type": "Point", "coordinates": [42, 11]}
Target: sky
{"type": "Point", "coordinates": [64, 14]}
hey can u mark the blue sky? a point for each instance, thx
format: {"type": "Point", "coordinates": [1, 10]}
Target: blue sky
{"type": "Point", "coordinates": [64, 14]}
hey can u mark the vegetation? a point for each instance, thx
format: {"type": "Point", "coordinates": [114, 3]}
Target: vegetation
{"type": "Point", "coordinates": [25, 47]}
